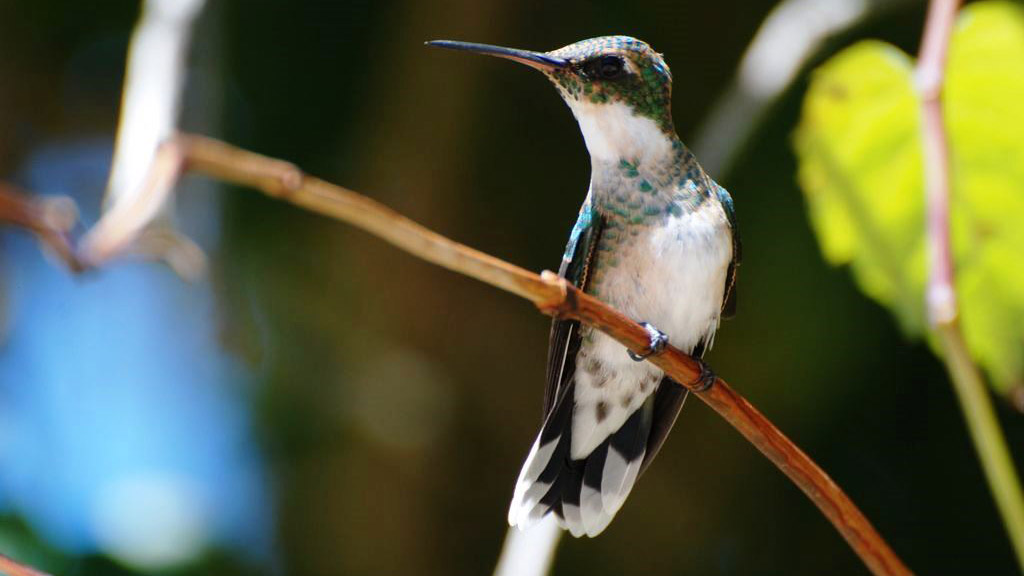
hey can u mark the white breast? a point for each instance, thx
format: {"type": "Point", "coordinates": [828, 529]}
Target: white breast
{"type": "Point", "coordinates": [675, 278]}
{"type": "Point", "coordinates": [672, 276]}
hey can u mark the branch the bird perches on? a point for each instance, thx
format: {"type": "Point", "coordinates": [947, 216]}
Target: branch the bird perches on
{"type": "Point", "coordinates": [123, 224]}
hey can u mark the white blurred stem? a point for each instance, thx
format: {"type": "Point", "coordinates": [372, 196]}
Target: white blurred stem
{"type": "Point", "coordinates": [153, 85]}
{"type": "Point", "coordinates": [790, 36]}
{"type": "Point", "coordinates": [529, 552]}
{"type": "Point", "coordinates": [150, 106]}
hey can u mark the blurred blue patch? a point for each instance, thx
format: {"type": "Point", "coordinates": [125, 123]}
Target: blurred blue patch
{"type": "Point", "coordinates": [124, 427]}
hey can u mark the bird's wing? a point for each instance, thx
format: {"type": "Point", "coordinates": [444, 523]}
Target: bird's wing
{"type": "Point", "coordinates": [729, 299]}
{"type": "Point", "coordinates": [668, 402]}
{"type": "Point", "coordinates": [565, 339]}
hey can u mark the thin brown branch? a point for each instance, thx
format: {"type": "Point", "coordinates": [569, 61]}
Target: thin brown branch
{"type": "Point", "coordinates": [551, 294]}
{"type": "Point", "coordinates": [50, 219]}
{"type": "Point", "coordinates": [12, 568]}
{"type": "Point", "coordinates": [982, 422]}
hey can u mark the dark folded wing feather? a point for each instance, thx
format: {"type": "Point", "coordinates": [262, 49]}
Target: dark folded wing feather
{"type": "Point", "coordinates": [565, 339]}
{"type": "Point", "coordinates": [668, 401]}
{"type": "Point", "coordinates": [729, 299]}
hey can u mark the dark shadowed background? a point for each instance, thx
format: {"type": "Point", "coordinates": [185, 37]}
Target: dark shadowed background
{"type": "Point", "coordinates": [323, 404]}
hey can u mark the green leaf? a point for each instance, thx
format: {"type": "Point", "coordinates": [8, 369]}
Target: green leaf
{"type": "Point", "coordinates": [860, 167]}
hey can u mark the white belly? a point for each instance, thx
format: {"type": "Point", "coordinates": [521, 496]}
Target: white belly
{"type": "Point", "coordinates": [672, 276]}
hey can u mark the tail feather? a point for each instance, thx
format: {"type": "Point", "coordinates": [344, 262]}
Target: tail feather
{"type": "Point", "coordinates": [541, 472]}
{"type": "Point", "coordinates": [592, 509]}
{"type": "Point", "coordinates": [584, 494]}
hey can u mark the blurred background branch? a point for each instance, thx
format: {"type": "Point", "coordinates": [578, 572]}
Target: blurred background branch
{"type": "Point", "coordinates": [123, 444]}
{"type": "Point", "coordinates": [151, 104]}
{"type": "Point", "coordinates": [153, 87]}
{"type": "Point", "coordinates": [50, 219]}
{"type": "Point", "coordinates": [790, 36]}
{"type": "Point", "coordinates": [10, 567]}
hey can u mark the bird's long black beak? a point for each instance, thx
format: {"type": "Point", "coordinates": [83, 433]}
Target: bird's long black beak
{"type": "Point", "coordinates": [538, 60]}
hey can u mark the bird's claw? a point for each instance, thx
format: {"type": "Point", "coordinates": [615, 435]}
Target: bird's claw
{"type": "Point", "coordinates": [706, 379]}
{"type": "Point", "coordinates": [657, 342]}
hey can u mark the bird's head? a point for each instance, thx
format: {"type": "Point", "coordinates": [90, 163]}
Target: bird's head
{"type": "Point", "coordinates": [619, 89]}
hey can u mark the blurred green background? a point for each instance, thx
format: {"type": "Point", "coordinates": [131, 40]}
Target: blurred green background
{"type": "Point", "coordinates": [390, 403]}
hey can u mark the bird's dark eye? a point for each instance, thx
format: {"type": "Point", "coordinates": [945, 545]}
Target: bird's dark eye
{"type": "Point", "coordinates": [605, 68]}
{"type": "Point", "coordinates": [610, 67]}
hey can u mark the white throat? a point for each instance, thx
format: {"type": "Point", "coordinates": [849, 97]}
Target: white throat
{"type": "Point", "coordinates": [612, 132]}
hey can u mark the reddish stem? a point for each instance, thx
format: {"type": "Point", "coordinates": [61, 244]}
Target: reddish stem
{"type": "Point", "coordinates": [931, 72]}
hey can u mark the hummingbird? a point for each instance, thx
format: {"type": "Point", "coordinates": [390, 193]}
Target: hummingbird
{"type": "Point", "coordinates": [656, 238]}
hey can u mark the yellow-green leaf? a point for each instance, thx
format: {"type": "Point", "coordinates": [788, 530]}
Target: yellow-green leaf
{"type": "Point", "coordinates": [860, 166]}
{"type": "Point", "coordinates": [860, 169]}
